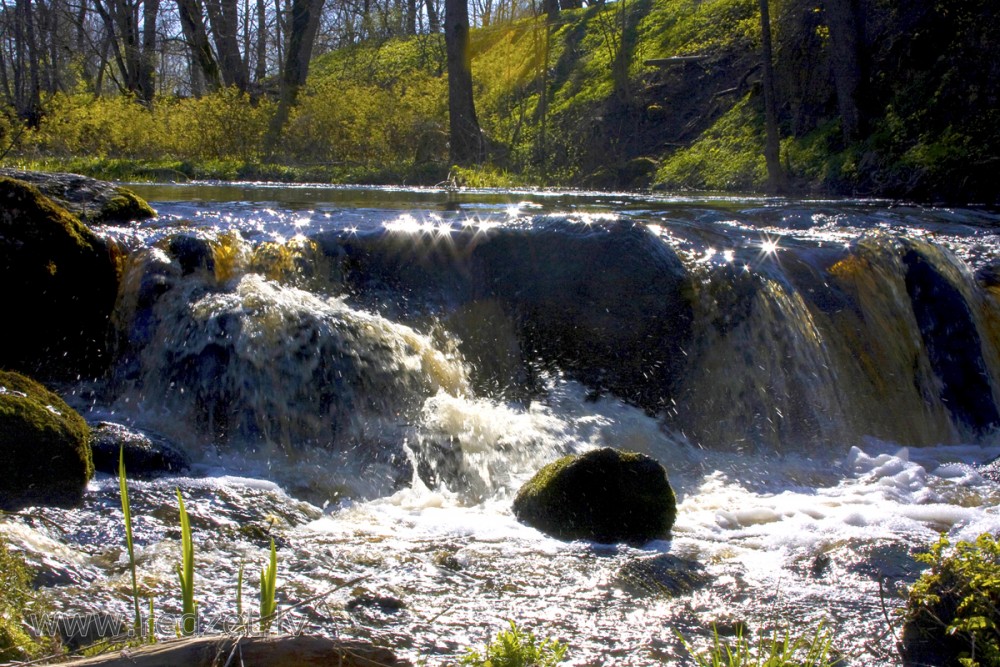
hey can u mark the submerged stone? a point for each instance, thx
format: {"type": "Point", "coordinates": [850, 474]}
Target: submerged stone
{"type": "Point", "coordinates": [55, 269]}
{"type": "Point", "coordinates": [43, 446]}
{"type": "Point", "coordinates": [604, 495]}
{"type": "Point", "coordinates": [145, 455]}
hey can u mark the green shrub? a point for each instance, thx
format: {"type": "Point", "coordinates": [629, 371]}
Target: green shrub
{"type": "Point", "coordinates": [953, 610]}
{"type": "Point", "coordinates": [517, 648]}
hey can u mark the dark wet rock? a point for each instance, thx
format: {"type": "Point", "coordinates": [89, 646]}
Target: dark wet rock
{"type": "Point", "coordinates": [386, 604]}
{"type": "Point", "coordinates": [954, 346]}
{"type": "Point", "coordinates": [604, 495]}
{"type": "Point", "coordinates": [192, 253]}
{"type": "Point", "coordinates": [89, 199]}
{"type": "Point", "coordinates": [59, 287]}
{"type": "Point", "coordinates": [663, 575]}
{"type": "Point", "coordinates": [609, 302]}
{"type": "Point", "coordinates": [638, 173]}
{"type": "Point", "coordinates": [145, 455]}
{"type": "Point", "coordinates": [43, 446]}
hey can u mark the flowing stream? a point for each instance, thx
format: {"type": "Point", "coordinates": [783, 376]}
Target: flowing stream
{"type": "Point", "coordinates": [368, 375]}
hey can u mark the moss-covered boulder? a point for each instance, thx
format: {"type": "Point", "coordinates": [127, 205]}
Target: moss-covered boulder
{"type": "Point", "coordinates": [604, 495]}
{"type": "Point", "coordinates": [44, 450]}
{"type": "Point", "coordinates": [59, 286]}
{"type": "Point", "coordinates": [90, 200]}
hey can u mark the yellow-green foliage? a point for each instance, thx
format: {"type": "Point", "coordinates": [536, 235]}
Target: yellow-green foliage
{"type": "Point", "coordinates": [956, 604]}
{"type": "Point", "coordinates": [344, 121]}
{"type": "Point", "coordinates": [227, 124]}
{"type": "Point", "coordinates": [15, 596]}
{"type": "Point", "coordinates": [728, 156]}
{"type": "Point", "coordinates": [697, 27]}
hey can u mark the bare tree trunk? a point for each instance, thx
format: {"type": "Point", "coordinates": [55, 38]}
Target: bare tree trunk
{"type": "Point", "coordinates": [775, 175]}
{"type": "Point", "coordinates": [848, 70]}
{"type": "Point", "coordinates": [260, 73]}
{"type": "Point", "coordinates": [193, 25]}
{"type": "Point", "coordinates": [30, 101]}
{"type": "Point", "coordinates": [224, 19]}
{"type": "Point", "coordinates": [433, 18]}
{"type": "Point", "coordinates": [147, 59]}
{"type": "Point", "coordinates": [411, 17]}
{"type": "Point", "coordinates": [303, 27]}
{"type": "Point", "coordinates": [466, 145]}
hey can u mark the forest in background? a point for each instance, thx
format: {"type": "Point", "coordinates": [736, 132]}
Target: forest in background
{"type": "Point", "coordinates": [893, 98]}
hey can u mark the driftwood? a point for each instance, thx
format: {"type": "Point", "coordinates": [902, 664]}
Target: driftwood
{"type": "Point", "coordinates": [237, 651]}
{"type": "Point", "coordinates": [675, 60]}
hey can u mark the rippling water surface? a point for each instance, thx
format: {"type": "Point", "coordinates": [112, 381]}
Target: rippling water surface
{"type": "Point", "coordinates": [779, 525]}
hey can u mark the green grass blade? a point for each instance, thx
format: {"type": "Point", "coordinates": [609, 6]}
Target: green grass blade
{"type": "Point", "coordinates": [127, 511]}
{"type": "Point", "coordinates": [185, 571]}
{"type": "Point", "coordinates": [239, 594]}
{"type": "Point", "coordinates": [268, 584]}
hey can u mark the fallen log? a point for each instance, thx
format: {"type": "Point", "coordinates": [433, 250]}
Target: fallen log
{"type": "Point", "coordinates": [233, 651]}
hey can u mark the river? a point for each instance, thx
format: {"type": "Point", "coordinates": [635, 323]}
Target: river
{"type": "Point", "coordinates": [369, 374]}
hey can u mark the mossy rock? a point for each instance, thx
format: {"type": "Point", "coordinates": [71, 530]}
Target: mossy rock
{"type": "Point", "coordinates": [44, 448]}
{"type": "Point", "coordinates": [91, 200]}
{"type": "Point", "coordinates": [604, 495]}
{"type": "Point", "coordinates": [123, 206]}
{"type": "Point", "coordinates": [60, 284]}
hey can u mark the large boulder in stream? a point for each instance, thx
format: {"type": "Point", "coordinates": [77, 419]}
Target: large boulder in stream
{"type": "Point", "coordinates": [44, 449]}
{"type": "Point", "coordinates": [606, 300]}
{"type": "Point", "coordinates": [604, 495]}
{"type": "Point", "coordinates": [59, 286]}
{"type": "Point", "coordinates": [90, 200]}
{"type": "Point", "coordinates": [145, 455]}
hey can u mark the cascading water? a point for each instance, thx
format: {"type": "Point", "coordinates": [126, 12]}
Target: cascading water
{"type": "Point", "coordinates": [371, 383]}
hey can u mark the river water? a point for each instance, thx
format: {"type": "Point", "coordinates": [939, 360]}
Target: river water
{"type": "Point", "coordinates": [368, 375]}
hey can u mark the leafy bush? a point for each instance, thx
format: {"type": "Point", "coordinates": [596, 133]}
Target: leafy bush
{"type": "Point", "coordinates": [953, 610]}
{"type": "Point", "coordinates": [517, 648]}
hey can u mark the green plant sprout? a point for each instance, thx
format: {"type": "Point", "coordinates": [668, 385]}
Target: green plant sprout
{"type": "Point", "coordinates": [268, 580]}
{"type": "Point", "coordinates": [776, 650]}
{"type": "Point", "coordinates": [239, 594]}
{"type": "Point", "coordinates": [185, 573]}
{"type": "Point", "coordinates": [517, 648]}
{"type": "Point", "coordinates": [127, 511]}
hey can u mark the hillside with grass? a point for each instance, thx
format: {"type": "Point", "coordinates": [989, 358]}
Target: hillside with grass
{"type": "Point", "coordinates": [628, 94]}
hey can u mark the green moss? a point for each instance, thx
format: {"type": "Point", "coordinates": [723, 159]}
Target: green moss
{"type": "Point", "coordinates": [43, 446]}
{"type": "Point", "coordinates": [125, 206]}
{"type": "Point", "coordinates": [953, 610]}
{"type": "Point", "coordinates": [15, 596]}
{"type": "Point", "coordinates": [604, 495]}
{"type": "Point", "coordinates": [21, 203]}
